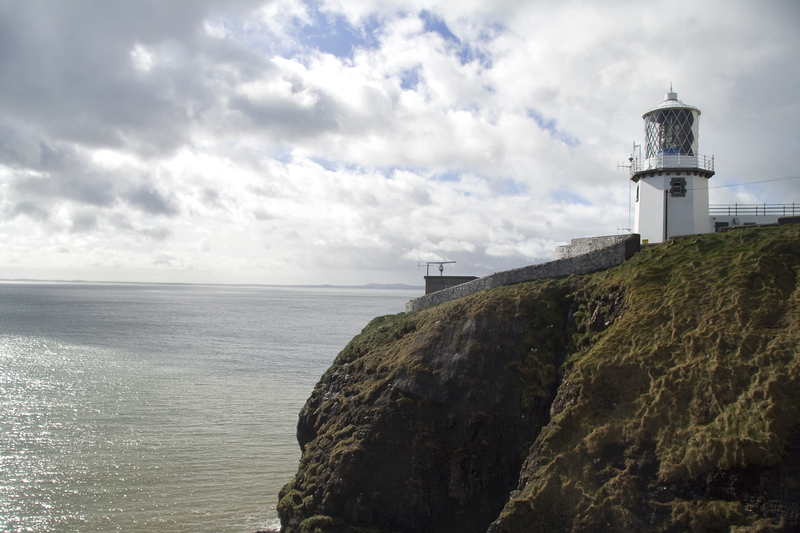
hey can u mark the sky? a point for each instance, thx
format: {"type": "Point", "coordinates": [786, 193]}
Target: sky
{"type": "Point", "coordinates": [346, 142]}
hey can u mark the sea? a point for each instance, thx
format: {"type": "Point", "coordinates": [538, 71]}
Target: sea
{"type": "Point", "coordinates": [157, 407]}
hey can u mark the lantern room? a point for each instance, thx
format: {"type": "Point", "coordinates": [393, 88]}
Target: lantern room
{"type": "Point", "coordinates": [671, 128]}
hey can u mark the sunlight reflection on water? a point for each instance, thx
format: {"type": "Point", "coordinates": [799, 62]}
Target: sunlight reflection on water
{"type": "Point", "coordinates": [180, 416]}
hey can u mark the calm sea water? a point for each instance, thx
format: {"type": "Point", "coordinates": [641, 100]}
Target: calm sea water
{"type": "Point", "coordinates": [161, 407]}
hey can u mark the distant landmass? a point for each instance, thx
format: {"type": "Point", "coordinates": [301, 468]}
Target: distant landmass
{"type": "Point", "coordinates": [384, 286]}
{"type": "Point", "coordinates": [388, 286]}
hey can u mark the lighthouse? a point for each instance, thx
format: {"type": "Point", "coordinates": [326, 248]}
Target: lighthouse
{"type": "Point", "coordinates": [671, 176]}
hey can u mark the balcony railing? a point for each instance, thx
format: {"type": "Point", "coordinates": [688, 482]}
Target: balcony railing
{"type": "Point", "coordinates": [780, 210]}
{"type": "Point", "coordinates": [673, 161]}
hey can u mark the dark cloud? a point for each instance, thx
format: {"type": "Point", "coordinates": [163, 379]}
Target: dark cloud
{"type": "Point", "coordinates": [83, 222]}
{"type": "Point", "coordinates": [121, 222]}
{"type": "Point", "coordinates": [156, 234]}
{"type": "Point", "coordinates": [23, 148]}
{"type": "Point", "coordinates": [66, 68]}
{"type": "Point", "coordinates": [286, 120]}
{"type": "Point", "coordinates": [69, 77]}
{"type": "Point", "coordinates": [85, 189]}
{"type": "Point", "coordinates": [29, 209]}
{"type": "Point", "coordinates": [211, 198]}
{"type": "Point", "coordinates": [58, 171]}
{"type": "Point", "coordinates": [163, 260]}
{"type": "Point", "coordinates": [151, 201]}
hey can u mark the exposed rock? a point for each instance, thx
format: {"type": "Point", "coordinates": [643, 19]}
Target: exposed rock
{"type": "Point", "coordinates": [424, 420]}
{"type": "Point", "coordinates": [682, 413]}
{"type": "Point", "coordinates": [660, 395]}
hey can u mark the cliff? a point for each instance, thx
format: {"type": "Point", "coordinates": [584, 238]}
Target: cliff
{"type": "Point", "coordinates": [659, 395]}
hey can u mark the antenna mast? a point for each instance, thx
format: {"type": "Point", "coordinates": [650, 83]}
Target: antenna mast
{"type": "Point", "coordinates": [440, 263]}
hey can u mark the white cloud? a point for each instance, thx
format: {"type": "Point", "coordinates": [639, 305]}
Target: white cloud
{"type": "Point", "coordinates": [295, 143]}
{"type": "Point", "coordinates": [142, 58]}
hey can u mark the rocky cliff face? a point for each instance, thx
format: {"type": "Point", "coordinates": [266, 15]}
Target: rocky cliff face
{"type": "Point", "coordinates": [661, 395]}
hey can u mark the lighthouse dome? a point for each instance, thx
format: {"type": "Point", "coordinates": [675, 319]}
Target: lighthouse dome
{"type": "Point", "coordinates": [671, 128]}
{"type": "Point", "coordinates": [671, 102]}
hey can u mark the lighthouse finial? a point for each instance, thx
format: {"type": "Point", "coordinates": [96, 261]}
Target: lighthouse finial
{"type": "Point", "coordinates": [671, 95]}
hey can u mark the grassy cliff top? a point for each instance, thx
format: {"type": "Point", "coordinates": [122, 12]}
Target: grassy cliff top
{"type": "Point", "coordinates": [660, 395]}
{"type": "Point", "coordinates": [677, 412]}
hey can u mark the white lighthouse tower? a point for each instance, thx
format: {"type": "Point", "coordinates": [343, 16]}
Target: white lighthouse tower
{"type": "Point", "coordinates": [672, 178]}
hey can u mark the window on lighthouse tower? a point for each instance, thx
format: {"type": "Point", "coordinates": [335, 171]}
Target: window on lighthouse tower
{"type": "Point", "coordinates": [669, 132]}
{"type": "Point", "coordinates": [677, 187]}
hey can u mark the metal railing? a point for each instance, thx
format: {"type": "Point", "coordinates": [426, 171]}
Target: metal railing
{"type": "Point", "coordinates": [755, 209]}
{"type": "Point", "coordinates": [673, 161]}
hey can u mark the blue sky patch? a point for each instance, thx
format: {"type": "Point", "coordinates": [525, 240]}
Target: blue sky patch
{"type": "Point", "coordinates": [465, 53]}
{"type": "Point", "coordinates": [513, 188]}
{"type": "Point", "coordinates": [325, 163]}
{"type": "Point", "coordinates": [332, 33]}
{"type": "Point", "coordinates": [568, 197]}
{"type": "Point", "coordinates": [449, 176]}
{"type": "Point", "coordinates": [436, 25]}
{"type": "Point", "coordinates": [409, 79]}
{"type": "Point", "coordinates": [468, 54]}
{"type": "Point", "coordinates": [282, 154]}
{"type": "Point", "coordinates": [549, 125]}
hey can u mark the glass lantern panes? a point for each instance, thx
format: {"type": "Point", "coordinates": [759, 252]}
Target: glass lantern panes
{"type": "Point", "coordinates": [669, 132]}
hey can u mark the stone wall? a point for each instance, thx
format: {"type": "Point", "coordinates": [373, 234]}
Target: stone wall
{"type": "Point", "coordinates": [580, 264]}
{"type": "Point", "coordinates": [587, 245]}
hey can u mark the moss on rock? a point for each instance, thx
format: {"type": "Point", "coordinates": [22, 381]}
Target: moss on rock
{"type": "Point", "coordinates": [660, 395]}
{"type": "Point", "coordinates": [683, 412]}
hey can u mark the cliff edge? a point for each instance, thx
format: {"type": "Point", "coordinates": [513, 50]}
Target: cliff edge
{"type": "Point", "coordinates": [659, 395]}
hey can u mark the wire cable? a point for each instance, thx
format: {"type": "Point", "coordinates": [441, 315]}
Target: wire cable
{"type": "Point", "coordinates": [754, 182]}
{"type": "Point", "coordinates": [748, 183]}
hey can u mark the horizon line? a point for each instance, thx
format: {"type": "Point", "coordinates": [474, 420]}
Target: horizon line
{"type": "Point", "coordinates": [385, 286]}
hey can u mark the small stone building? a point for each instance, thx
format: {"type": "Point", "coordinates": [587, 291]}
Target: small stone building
{"type": "Point", "coordinates": [438, 283]}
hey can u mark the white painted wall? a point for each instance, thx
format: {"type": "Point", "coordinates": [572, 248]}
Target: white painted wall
{"type": "Point", "coordinates": [680, 211]}
{"type": "Point", "coordinates": [702, 224]}
{"type": "Point", "coordinates": [650, 210]}
{"type": "Point", "coordinates": [685, 215]}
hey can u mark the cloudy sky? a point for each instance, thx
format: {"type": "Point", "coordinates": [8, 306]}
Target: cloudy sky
{"type": "Point", "coordinates": [344, 141]}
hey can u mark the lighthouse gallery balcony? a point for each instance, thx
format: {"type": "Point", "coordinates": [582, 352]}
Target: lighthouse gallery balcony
{"type": "Point", "coordinates": [673, 161]}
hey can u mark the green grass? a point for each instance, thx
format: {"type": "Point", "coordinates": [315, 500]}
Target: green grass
{"type": "Point", "coordinates": [680, 364]}
{"type": "Point", "coordinates": [701, 367]}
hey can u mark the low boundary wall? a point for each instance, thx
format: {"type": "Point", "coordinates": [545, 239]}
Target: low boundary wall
{"type": "Point", "coordinates": [587, 245]}
{"type": "Point", "coordinates": [580, 264]}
